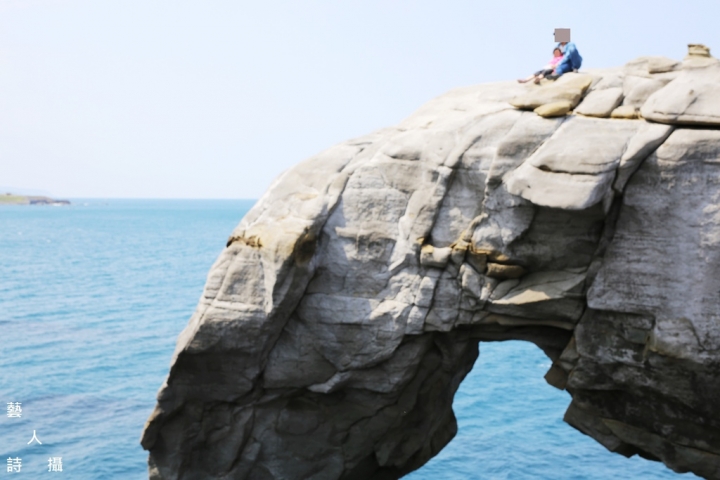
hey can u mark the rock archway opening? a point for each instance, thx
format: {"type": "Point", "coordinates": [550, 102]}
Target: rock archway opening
{"type": "Point", "coordinates": [510, 425]}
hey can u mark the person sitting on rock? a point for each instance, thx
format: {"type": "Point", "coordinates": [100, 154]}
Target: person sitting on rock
{"type": "Point", "coordinates": [547, 69]}
{"type": "Point", "coordinates": [571, 60]}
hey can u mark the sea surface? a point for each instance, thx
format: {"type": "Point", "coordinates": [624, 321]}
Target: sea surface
{"type": "Point", "coordinates": [94, 295]}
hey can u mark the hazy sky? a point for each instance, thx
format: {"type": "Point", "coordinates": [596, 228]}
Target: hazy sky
{"type": "Point", "coordinates": [214, 98]}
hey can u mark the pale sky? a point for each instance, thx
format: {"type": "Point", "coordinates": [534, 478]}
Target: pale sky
{"type": "Point", "coordinates": [215, 98]}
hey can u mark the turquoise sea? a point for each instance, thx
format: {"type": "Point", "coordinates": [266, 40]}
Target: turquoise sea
{"type": "Point", "coordinates": [93, 296]}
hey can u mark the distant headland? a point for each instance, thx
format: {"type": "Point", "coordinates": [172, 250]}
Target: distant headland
{"type": "Point", "coordinates": [12, 199]}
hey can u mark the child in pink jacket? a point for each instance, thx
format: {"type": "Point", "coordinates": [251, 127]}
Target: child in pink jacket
{"type": "Point", "coordinates": [547, 69]}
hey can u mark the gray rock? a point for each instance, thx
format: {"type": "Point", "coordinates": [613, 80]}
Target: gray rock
{"type": "Point", "coordinates": [662, 65]}
{"type": "Point", "coordinates": [683, 173]}
{"type": "Point", "coordinates": [575, 169]}
{"type": "Point", "coordinates": [637, 90]}
{"type": "Point", "coordinates": [627, 112]}
{"type": "Point", "coordinates": [648, 65]}
{"type": "Point", "coordinates": [691, 99]}
{"type": "Point", "coordinates": [557, 295]}
{"type": "Point", "coordinates": [569, 88]}
{"type": "Point", "coordinates": [600, 103]}
{"type": "Point", "coordinates": [434, 257]}
{"type": "Point", "coordinates": [472, 282]}
{"type": "Point", "coordinates": [498, 270]}
{"type": "Point", "coordinates": [554, 109]}
{"type": "Point", "coordinates": [648, 138]}
{"type": "Point", "coordinates": [336, 326]}
{"type": "Point", "coordinates": [609, 79]}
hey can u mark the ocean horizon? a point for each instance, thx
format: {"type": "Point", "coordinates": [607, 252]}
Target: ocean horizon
{"type": "Point", "coordinates": [93, 296]}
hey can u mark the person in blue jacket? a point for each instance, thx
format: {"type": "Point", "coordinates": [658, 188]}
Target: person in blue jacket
{"type": "Point", "coordinates": [571, 61]}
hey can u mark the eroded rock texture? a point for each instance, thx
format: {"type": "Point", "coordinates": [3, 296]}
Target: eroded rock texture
{"type": "Point", "coordinates": [348, 305]}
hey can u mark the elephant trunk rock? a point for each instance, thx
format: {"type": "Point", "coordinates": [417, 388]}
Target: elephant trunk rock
{"type": "Point", "coordinates": [337, 325]}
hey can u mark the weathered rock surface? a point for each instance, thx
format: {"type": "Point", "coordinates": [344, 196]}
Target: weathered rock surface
{"type": "Point", "coordinates": [554, 109]}
{"type": "Point", "coordinates": [568, 88]}
{"type": "Point", "coordinates": [574, 169]}
{"type": "Point", "coordinates": [691, 99]}
{"type": "Point", "coordinates": [627, 112]}
{"type": "Point", "coordinates": [600, 103]}
{"type": "Point", "coordinates": [338, 323]}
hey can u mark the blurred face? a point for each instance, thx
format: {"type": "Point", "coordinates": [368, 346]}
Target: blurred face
{"type": "Point", "coordinates": [562, 35]}
{"type": "Point", "coordinates": [557, 52]}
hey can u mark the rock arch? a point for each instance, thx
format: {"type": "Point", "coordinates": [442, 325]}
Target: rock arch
{"type": "Point", "coordinates": [347, 307]}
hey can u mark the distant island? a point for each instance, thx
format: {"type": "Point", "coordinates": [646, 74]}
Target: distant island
{"type": "Point", "coordinates": [11, 199]}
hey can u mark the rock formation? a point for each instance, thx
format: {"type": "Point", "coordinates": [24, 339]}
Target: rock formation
{"type": "Point", "coordinates": [338, 323]}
